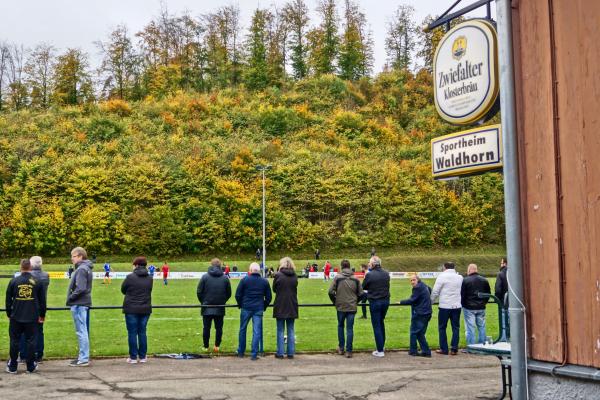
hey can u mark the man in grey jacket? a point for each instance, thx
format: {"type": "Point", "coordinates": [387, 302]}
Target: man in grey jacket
{"type": "Point", "coordinates": [42, 278]}
{"type": "Point", "coordinates": [345, 291]}
{"type": "Point", "coordinates": [79, 298]}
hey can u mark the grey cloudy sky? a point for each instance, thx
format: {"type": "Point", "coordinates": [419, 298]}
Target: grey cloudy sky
{"type": "Point", "coordinates": [78, 23]}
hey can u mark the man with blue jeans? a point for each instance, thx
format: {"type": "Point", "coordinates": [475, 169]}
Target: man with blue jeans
{"type": "Point", "coordinates": [447, 287]}
{"type": "Point", "coordinates": [79, 298]}
{"type": "Point", "coordinates": [473, 304]}
{"type": "Point", "coordinates": [253, 296]}
{"type": "Point", "coordinates": [377, 286]}
{"type": "Point", "coordinates": [345, 291]}
{"type": "Point", "coordinates": [420, 304]}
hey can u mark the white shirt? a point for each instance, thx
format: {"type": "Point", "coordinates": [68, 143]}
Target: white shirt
{"type": "Point", "coordinates": [447, 288]}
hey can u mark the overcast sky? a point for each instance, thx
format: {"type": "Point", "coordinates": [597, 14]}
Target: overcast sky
{"type": "Point", "coordinates": [78, 23]}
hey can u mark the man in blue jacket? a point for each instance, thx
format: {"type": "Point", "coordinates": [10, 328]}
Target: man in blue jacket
{"type": "Point", "coordinates": [253, 296]}
{"type": "Point", "coordinates": [420, 304]}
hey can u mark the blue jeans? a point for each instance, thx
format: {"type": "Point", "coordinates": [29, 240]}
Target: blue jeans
{"type": "Point", "coordinates": [347, 341]}
{"type": "Point", "coordinates": [80, 315]}
{"type": "Point", "coordinates": [452, 314]}
{"type": "Point", "coordinates": [291, 336]}
{"type": "Point", "coordinates": [418, 328]}
{"type": "Point", "coordinates": [38, 341]}
{"type": "Point", "coordinates": [474, 319]}
{"type": "Point", "coordinates": [378, 309]}
{"type": "Point", "coordinates": [245, 317]}
{"type": "Point", "coordinates": [136, 335]}
{"type": "Point", "coordinates": [504, 328]}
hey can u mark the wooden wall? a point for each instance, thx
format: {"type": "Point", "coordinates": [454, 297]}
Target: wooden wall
{"type": "Point", "coordinates": [560, 173]}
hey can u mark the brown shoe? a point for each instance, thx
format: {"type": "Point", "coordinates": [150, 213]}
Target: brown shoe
{"type": "Point", "coordinates": [453, 352]}
{"type": "Point", "coordinates": [349, 354]}
{"type": "Point", "coordinates": [441, 352]}
{"type": "Point", "coordinates": [340, 351]}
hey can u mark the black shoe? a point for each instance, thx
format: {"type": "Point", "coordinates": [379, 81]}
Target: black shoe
{"type": "Point", "coordinates": [254, 358]}
{"type": "Point", "coordinates": [428, 355]}
{"type": "Point", "coordinates": [413, 354]}
{"type": "Point", "coordinates": [9, 369]}
{"type": "Point", "coordinates": [290, 357]}
{"type": "Point", "coordinates": [280, 356]}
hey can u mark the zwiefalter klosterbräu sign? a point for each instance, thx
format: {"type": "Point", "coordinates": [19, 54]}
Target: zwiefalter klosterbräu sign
{"type": "Point", "coordinates": [467, 153]}
{"type": "Point", "coordinates": [465, 70]}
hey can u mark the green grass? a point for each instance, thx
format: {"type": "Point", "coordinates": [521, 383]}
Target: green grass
{"type": "Point", "coordinates": [179, 330]}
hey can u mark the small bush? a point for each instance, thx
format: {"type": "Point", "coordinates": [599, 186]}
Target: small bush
{"type": "Point", "coordinates": [116, 106]}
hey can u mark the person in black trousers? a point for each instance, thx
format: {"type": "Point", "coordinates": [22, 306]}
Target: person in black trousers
{"type": "Point", "coordinates": [363, 300]}
{"type": "Point", "coordinates": [213, 289]}
{"type": "Point", "coordinates": [25, 307]}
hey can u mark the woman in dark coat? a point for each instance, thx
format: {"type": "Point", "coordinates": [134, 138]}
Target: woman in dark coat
{"type": "Point", "coordinates": [285, 309]}
{"type": "Point", "coordinates": [137, 307]}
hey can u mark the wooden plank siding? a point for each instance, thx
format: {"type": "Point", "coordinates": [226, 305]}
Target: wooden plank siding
{"type": "Point", "coordinates": [577, 63]}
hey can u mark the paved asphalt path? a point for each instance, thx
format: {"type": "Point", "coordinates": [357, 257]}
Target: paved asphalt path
{"type": "Point", "coordinates": [306, 377]}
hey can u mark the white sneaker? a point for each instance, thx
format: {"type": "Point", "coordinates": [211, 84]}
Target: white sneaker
{"type": "Point", "coordinates": [143, 360]}
{"type": "Point", "coordinates": [378, 353]}
{"type": "Point", "coordinates": [130, 361]}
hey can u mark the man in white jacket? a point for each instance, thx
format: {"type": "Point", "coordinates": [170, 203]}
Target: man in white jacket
{"type": "Point", "coordinates": [447, 288]}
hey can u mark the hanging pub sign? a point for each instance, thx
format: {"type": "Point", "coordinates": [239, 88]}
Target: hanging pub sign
{"type": "Point", "coordinates": [465, 70]}
{"type": "Point", "coordinates": [467, 153]}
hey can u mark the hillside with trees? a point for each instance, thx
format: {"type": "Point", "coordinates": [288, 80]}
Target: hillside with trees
{"type": "Point", "coordinates": [154, 151]}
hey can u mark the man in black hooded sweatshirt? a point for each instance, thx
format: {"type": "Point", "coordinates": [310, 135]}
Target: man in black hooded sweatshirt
{"type": "Point", "coordinates": [214, 289]}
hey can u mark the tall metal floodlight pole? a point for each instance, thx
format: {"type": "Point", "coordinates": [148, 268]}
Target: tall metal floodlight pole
{"type": "Point", "coordinates": [263, 168]}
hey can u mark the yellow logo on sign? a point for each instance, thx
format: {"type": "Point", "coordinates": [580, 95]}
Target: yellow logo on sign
{"type": "Point", "coordinates": [459, 47]}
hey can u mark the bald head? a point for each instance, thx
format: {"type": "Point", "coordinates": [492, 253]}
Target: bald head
{"type": "Point", "coordinates": [472, 269]}
{"type": "Point", "coordinates": [254, 268]}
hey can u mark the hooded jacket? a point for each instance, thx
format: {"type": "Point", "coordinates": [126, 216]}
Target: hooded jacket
{"type": "Point", "coordinates": [285, 287]}
{"type": "Point", "coordinates": [253, 293]}
{"type": "Point", "coordinates": [137, 288]}
{"type": "Point", "coordinates": [214, 288]}
{"type": "Point", "coordinates": [80, 287]}
{"type": "Point", "coordinates": [345, 290]}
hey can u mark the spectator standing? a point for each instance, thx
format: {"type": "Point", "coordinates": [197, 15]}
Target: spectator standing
{"type": "Point", "coordinates": [377, 286]}
{"type": "Point", "coordinates": [25, 307]}
{"type": "Point", "coordinates": [327, 270]}
{"type": "Point", "coordinates": [79, 298]}
{"type": "Point", "coordinates": [165, 273]}
{"type": "Point", "coordinates": [345, 291]}
{"type": "Point", "coordinates": [447, 288]}
{"type": "Point", "coordinates": [106, 273]}
{"type": "Point", "coordinates": [258, 253]}
{"type": "Point", "coordinates": [70, 271]}
{"type": "Point", "coordinates": [317, 254]}
{"type": "Point", "coordinates": [42, 278]}
{"type": "Point", "coordinates": [253, 296]}
{"type": "Point", "coordinates": [372, 251]}
{"type": "Point", "coordinates": [473, 305]}
{"type": "Point", "coordinates": [137, 307]}
{"type": "Point", "coordinates": [501, 291]}
{"type": "Point", "coordinates": [214, 288]}
{"type": "Point", "coordinates": [420, 305]}
{"type": "Point", "coordinates": [285, 308]}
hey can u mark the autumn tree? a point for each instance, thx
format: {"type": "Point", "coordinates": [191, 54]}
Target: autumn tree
{"type": "Point", "coordinates": [4, 56]}
{"type": "Point", "coordinates": [17, 89]}
{"type": "Point", "coordinates": [430, 39]}
{"type": "Point", "coordinates": [356, 47]}
{"type": "Point", "coordinates": [256, 77]}
{"type": "Point", "coordinates": [119, 65]}
{"type": "Point", "coordinates": [277, 36]}
{"type": "Point", "coordinates": [38, 69]}
{"type": "Point", "coordinates": [324, 40]}
{"type": "Point", "coordinates": [72, 82]}
{"type": "Point", "coordinates": [295, 14]}
{"type": "Point", "coordinates": [401, 37]}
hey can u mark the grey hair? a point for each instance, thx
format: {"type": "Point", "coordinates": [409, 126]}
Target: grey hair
{"type": "Point", "coordinates": [287, 263]}
{"type": "Point", "coordinates": [375, 261]}
{"type": "Point", "coordinates": [254, 267]}
{"type": "Point", "coordinates": [36, 262]}
{"type": "Point", "coordinates": [79, 251]}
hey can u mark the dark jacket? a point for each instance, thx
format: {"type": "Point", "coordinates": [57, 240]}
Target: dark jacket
{"type": "Point", "coordinates": [420, 299]}
{"type": "Point", "coordinates": [377, 284]}
{"type": "Point", "coordinates": [25, 299]}
{"type": "Point", "coordinates": [214, 288]}
{"type": "Point", "coordinates": [253, 293]}
{"type": "Point", "coordinates": [80, 287]}
{"type": "Point", "coordinates": [501, 286]}
{"type": "Point", "coordinates": [137, 288]}
{"type": "Point", "coordinates": [42, 277]}
{"type": "Point", "coordinates": [472, 285]}
{"type": "Point", "coordinates": [345, 290]}
{"type": "Point", "coordinates": [285, 286]}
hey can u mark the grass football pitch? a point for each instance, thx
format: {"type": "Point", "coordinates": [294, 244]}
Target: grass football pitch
{"type": "Point", "coordinates": [180, 330]}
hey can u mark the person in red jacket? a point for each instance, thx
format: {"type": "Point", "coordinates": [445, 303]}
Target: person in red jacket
{"type": "Point", "coordinates": [226, 271]}
{"type": "Point", "coordinates": [327, 270]}
{"type": "Point", "coordinates": [165, 272]}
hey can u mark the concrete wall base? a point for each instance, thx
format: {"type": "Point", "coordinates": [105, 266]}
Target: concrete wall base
{"type": "Point", "coordinates": [547, 387]}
